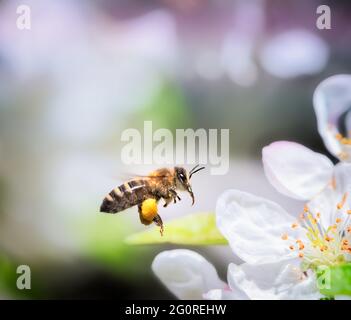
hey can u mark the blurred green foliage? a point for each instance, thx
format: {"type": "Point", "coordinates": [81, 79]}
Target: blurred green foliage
{"type": "Point", "coordinates": [102, 241]}
{"type": "Point", "coordinates": [167, 109]}
{"type": "Point", "coordinates": [9, 276]}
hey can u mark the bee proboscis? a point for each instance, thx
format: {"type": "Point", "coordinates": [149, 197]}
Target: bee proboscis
{"type": "Point", "coordinates": [146, 191]}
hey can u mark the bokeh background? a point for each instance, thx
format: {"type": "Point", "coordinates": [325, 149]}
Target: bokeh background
{"type": "Point", "coordinates": [87, 70]}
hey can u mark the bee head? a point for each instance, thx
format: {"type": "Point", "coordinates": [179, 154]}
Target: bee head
{"type": "Point", "coordinates": [183, 179]}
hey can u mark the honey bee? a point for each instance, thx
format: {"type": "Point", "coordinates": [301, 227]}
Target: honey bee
{"type": "Point", "coordinates": [146, 191]}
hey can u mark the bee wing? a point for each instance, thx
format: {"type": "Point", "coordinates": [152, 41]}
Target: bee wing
{"type": "Point", "coordinates": [136, 176]}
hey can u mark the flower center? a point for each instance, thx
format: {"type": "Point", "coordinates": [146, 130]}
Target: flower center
{"type": "Point", "coordinates": [324, 246]}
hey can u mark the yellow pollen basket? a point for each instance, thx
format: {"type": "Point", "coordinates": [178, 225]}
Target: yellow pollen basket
{"type": "Point", "coordinates": [149, 209]}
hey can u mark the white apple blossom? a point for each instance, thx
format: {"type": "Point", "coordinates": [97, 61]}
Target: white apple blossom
{"type": "Point", "coordinates": [332, 103]}
{"type": "Point", "coordinates": [281, 252]}
{"type": "Point", "coordinates": [262, 233]}
{"type": "Point", "coordinates": [188, 275]}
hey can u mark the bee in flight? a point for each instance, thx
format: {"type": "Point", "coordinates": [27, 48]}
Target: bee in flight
{"type": "Point", "coordinates": [146, 191]}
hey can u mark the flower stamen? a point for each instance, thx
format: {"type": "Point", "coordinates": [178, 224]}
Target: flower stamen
{"type": "Point", "coordinates": [324, 246]}
{"type": "Point", "coordinates": [342, 139]}
{"type": "Point", "coordinates": [294, 225]}
{"type": "Point", "coordinates": [342, 203]}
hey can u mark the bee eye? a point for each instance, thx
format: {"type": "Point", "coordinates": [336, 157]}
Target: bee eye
{"type": "Point", "coordinates": [181, 177]}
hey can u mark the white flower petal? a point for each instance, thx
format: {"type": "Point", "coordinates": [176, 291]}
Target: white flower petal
{"type": "Point", "coordinates": [343, 192]}
{"type": "Point", "coordinates": [326, 203]}
{"type": "Point", "coordinates": [225, 294]}
{"type": "Point", "coordinates": [295, 170]}
{"type": "Point", "coordinates": [343, 179]}
{"type": "Point", "coordinates": [186, 274]}
{"type": "Point", "coordinates": [304, 290]}
{"type": "Point", "coordinates": [332, 103]}
{"type": "Point", "coordinates": [283, 280]}
{"type": "Point", "coordinates": [254, 226]}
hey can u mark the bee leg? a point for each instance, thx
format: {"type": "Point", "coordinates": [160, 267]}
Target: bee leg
{"type": "Point", "coordinates": [159, 223]}
{"type": "Point", "coordinates": [175, 195]}
{"type": "Point", "coordinates": [167, 201]}
{"type": "Point", "coordinates": [176, 198]}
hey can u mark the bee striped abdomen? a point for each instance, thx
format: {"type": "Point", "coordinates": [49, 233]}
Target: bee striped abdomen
{"type": "Point", "coordinates": [126, 196]}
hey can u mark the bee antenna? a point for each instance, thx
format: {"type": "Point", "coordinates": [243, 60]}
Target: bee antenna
{"type": "Point", "coordinates": [192, 171]}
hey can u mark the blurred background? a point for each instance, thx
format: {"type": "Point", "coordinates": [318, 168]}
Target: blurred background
{"type": "Point", "coordinates": [87, 70]}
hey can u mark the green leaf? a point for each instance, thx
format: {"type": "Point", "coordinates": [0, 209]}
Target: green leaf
{"type": "Point", "coordinates": [335, 280]}
{"type": "Point", "coordinates": [195, 229]}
